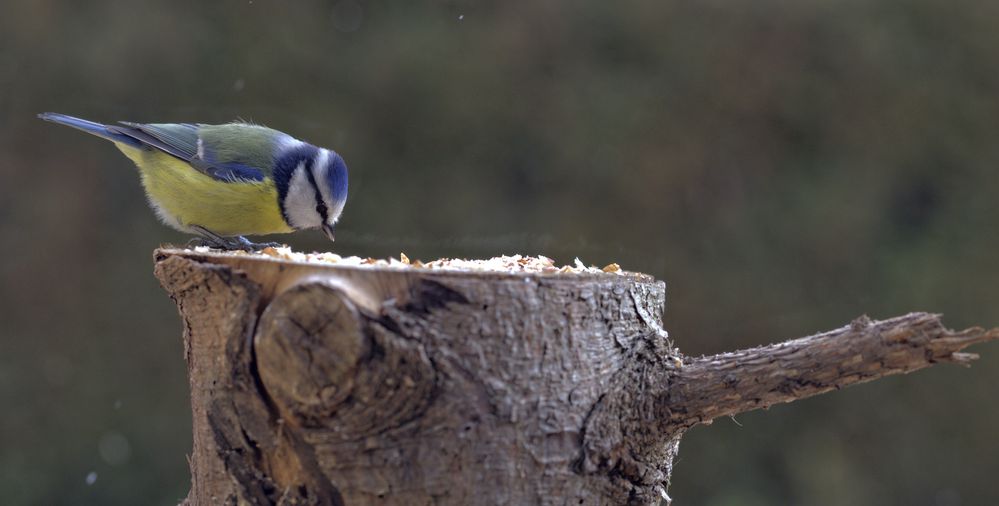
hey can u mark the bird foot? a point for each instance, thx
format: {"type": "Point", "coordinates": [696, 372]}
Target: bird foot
{"type": "Point", "coordinates": [238, 243]}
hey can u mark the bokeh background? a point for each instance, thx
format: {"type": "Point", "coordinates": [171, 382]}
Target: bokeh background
{"type": "Point", "coordinates": [785, 166]}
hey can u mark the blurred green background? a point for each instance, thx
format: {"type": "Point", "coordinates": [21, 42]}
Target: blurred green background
{"type": "Point", "coordinates": [783, 166]}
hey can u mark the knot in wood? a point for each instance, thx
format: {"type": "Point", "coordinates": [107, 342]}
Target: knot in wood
{"type": "Point", "coordinates": [309, 342]}
{"type": "Point", "coordinates": [325, 364]}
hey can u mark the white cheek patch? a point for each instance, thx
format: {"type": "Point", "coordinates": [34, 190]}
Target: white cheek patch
{"type": "Point", "coordinates": [300, 202]}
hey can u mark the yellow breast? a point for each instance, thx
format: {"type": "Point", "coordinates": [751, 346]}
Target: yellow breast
{"type": "Point", "coordinates": [182, 196]}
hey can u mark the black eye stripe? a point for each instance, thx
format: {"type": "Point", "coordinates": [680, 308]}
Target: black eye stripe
{"type": "Point", "coordinates": [320, 205]}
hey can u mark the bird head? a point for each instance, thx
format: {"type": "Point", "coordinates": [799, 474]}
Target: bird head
{"type": "Point", "coordinates": [312, 187]}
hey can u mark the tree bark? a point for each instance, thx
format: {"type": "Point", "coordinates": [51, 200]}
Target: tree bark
{"type": "Point", "coordinates": [325, 384]}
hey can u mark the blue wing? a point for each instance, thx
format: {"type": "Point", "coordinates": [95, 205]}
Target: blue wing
{"type": "Point", "coordinates": [183, 141]}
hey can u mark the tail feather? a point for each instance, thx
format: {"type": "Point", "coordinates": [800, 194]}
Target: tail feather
{"type": "Point", "coordinates": [90, 127]}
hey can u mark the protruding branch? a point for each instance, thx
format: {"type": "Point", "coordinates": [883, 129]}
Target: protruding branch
{"type": "Point", "coordinates": [632, 433]}
{"type": "Point", "coordinates": [730, 383]}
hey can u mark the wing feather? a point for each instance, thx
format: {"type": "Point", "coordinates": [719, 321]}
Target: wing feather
{"type": "Point", "coordinates": [182, 140]}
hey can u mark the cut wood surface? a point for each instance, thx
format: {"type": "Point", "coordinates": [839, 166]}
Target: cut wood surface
{"type": "Point", "coordinates": [319, 383]}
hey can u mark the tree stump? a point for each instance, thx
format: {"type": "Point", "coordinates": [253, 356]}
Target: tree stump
{"type": "Point", "coordinates": [326, 384]}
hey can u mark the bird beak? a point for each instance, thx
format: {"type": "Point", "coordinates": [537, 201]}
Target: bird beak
{"type": "Point", "coordinates": [328, 230]}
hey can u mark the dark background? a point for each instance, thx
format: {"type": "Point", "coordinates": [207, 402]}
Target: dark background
{"type": "Point", "coordinates": [785, 166]}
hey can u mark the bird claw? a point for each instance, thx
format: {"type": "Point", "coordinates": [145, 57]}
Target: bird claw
{"type": "Point", "coordinates": [246, 245]}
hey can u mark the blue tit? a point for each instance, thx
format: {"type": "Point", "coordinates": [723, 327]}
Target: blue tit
{"type": "Point", "coordinates": [222, 182]}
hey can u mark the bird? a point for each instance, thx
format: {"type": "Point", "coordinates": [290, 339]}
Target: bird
{"type": "Point", "coordinates": [223, 182]}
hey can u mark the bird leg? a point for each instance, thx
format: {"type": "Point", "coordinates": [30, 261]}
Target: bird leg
{"type": "Point", "coordinates": [213, 240]}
